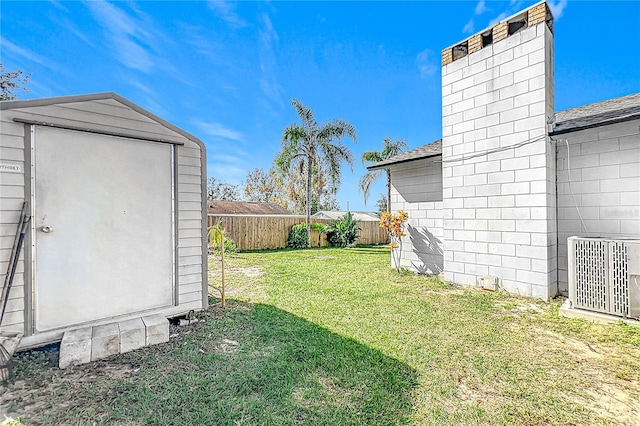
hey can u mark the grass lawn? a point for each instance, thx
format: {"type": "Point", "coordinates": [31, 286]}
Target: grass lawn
{"type": "Point", "coordinates": [337, 337]}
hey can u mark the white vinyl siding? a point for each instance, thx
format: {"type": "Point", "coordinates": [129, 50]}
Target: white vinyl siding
{"type": "Point", "coordinates": [103, 115]}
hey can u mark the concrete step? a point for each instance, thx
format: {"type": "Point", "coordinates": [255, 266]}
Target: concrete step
{"type": "Point", "coordinates": [88, 344]}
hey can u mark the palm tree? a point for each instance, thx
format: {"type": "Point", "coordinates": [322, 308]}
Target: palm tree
{"type": "Point", "coordinates": [389, 149]}
{"type": "Point", "coordinates": [315, 149]}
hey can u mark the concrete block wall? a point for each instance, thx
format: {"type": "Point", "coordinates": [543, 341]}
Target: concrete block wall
{"type": "Point", "coordinates": [499, 213]}
{"type": "Point", "coordinates": [605, 180]}
{"type": "Point", "coordinates": [417, 189]}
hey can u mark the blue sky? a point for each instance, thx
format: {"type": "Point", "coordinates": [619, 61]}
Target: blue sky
{"type": "Point", "coordinates": [226, 72]}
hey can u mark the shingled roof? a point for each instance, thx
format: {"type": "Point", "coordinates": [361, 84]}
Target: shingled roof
{"type": "Point", "coordinates": [429, 150]}
{"type": "Point", "coordinates": [598, 114]}
{"type": "Point", "coordinates": [611, 111]}
{"type": "Point", "coordinates": [243, 207]}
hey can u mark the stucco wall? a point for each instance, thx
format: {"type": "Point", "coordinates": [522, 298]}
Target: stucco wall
{"type": "Point", "coordinates": [417, 189]}
{"type": "Point", "coordinates": [605, 180]}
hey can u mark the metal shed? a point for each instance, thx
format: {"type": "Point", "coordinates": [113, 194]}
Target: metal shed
{"type": "Point", "coordinates": [117, 198]}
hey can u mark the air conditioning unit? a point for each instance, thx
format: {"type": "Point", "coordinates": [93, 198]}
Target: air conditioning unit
{"type": "Point", "coordinates": [604, 275]}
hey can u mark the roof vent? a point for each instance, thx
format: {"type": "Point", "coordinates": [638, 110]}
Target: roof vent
{"type": "Point", "coordinates": [460, 50]}
{"type": "Point", "coordinates": [487, 38]}
{"type": "Point", "coordinates": [517, 23]}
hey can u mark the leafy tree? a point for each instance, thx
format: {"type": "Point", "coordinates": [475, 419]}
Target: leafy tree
{"type": "Point", "coordinates": [294, 190]}
{"type": "Point", "coordinates": [223, 191]}
{"type": "Point", "coordinates": [389, 149]}
{"type": "Point", "coordinates": [265, 187]}
{"type": "Point", "coordinates": [382, 203]}
{"type": "Point", "coordinates": [312, 148]}
{"type": "Point", "coordinates": [327, 201]}
{"type": "Point", "coordinates": [10, 81]}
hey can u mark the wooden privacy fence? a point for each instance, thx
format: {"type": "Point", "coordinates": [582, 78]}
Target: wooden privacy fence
{"type": "Point", "coordinates": [258, 232]}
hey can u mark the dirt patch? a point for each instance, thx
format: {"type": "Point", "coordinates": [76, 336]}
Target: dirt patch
{"type": "Point", "coordinates": [604, 392]}
{"type": "Point", "coordinates": [611, 402]}
{"type": "Point", "coordinates": [38, 386]}
{"type": "Point", "coordinates": [23, 398]}
{"type": "Point", "coordinates": [251, 271]}
{"type": "Point", "coordinates": [244, 283]}
{"type": "Point", "coordinates": [482, 396]}
{"type": "Point", "coordinates": [228, 346]}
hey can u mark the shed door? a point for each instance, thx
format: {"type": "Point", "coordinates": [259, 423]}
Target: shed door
{"type": "Point", "coordinates": [109, 205]}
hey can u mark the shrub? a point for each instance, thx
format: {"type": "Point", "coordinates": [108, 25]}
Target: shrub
{"type": "Point", "coordinates": [298, 237]}
{"type": "Point", "coordinates": [394, 225]}
{"type": "Point", "coordinates": [343, 232]}
{"type": "Point", "coordinates": [229, 247]}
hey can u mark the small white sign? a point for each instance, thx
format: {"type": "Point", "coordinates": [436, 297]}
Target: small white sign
{"type": "Point", "coordinates": [10, 168]}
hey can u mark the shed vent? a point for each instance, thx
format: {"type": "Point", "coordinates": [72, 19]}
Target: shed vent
{"type": "Point", "coordinates": [604, 275]}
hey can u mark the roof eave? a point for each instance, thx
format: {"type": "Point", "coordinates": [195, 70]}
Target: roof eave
{"type": "Point", "coordinates": [30, 103]}
{"type": "Point", "coordinates": [379, 166]}
{"type": "Point", "coordinates": [594, 125]}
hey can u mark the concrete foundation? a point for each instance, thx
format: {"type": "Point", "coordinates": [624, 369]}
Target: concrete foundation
{"type": "Point", "coordinates": [93, 343]}
{"type": "Point", "coordinates": [105, 341]}
{"type": "Point", "coordinates": [567, 311]}
{"type": "Point", "coordinates": [132, 335]}
{"type": "Point", "coordinates": [75, 348]}
{"type": "Point", "coordinates": [157, 329]}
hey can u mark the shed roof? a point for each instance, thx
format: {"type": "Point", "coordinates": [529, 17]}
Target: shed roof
{"type": "Point", "coordinates": [34, 104]}
{"type": "Point", "coordinates": [244, 207]}
{"type": "Point", "coordinates": [429, 150]}
{"type": "Point", "coordinates": [611, 111]}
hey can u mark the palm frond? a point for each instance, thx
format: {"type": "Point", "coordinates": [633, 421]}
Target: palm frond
{"type": "Point", "coordinates": [306, 115]}
{"type": "Point", "coordinates": [389, 149]}
{"type": "Point", "coordinates": [371, 157]}
{"type": "Point", "coordinates": [366, 181]}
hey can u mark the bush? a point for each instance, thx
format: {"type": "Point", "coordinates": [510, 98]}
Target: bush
{"type": "Point", "coordinates": [343, 232]}
{"type": "Point", "coordinates": [229, 247]}
{"type": "Point", "coordinates": [298, 237]}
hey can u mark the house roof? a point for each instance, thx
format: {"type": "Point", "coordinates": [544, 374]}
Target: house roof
{"type": "Point", "coordinates": [611, 111]}
{"type": "Point", "coordinates": [244, 207]}
{"type": "Point", "coordinates": [358, 216]}
{"type": "Point", "coordinates": [429, 150]}
{"type": "Point", "coordinates": [598, 114]}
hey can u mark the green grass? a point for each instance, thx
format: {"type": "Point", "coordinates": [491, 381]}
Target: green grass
{"type": "Point", "coordinates": [335, 336]}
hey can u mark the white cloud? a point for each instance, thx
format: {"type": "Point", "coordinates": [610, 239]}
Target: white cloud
{"type": "Point", "coordinates": [229, 159]}
{"type": "Point", "coordinates": [137, 42]}
{"type": "Point", "coordinates": [141, 87]}
{"type": "Point", "coordinates": [426, 63]}
{"type": "Point", "coordinates": [269, 84]}
{"type": "Point", "coordinates": [557, 7]}
{"type": "Point", "coordinates": [227, 172]}
{"type": "Point", "coordinates": [481, 7]}
{"type": "Point", "coordinates": [498, 19]}
{"type": "Point", "coordinates": [70, 26]}
{"type": "Point", "coordinates": [225, 11]}
{"type": "Point", "coordinates": [220, 131]}
{"type": "Point", "coordinates": [13, 50]}
{"type": "Point", "coordinates": [469, 27]}
{"type": "Point", "coordinates": [58, 5]}
{"type": "Point", "coordinates": [125, 34]}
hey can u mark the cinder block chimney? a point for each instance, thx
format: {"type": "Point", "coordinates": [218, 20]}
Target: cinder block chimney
{"type": "Point", "coordinates": [498, 164]}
